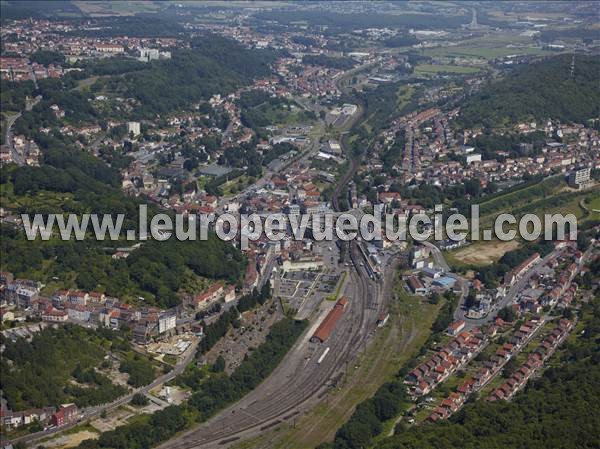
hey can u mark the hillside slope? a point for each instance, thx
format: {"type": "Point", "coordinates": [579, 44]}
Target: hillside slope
{"type": "Point", "coordinates": [538, 91]}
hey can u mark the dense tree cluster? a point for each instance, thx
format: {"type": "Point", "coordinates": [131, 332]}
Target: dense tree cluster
{"type": "Point", "coordinates": [39, 373]}
{"type": "Point", "coordinates": [47, 57]}
{"type": "Point", "coordinates": [278, 149]}
{"type": "Point", "coordinates": [519, 145]}
{"type": "Point", "coordinates": [116, 65]}
{"type": "Point", "coordinates": [140, 370]}
{"type": "Point", "coordinates": [538, 91]}
{"type": "Point", "coordinates": [12, 95]}
{"type": "Point", "coordinates": [216, 330]}
{"type": "Point", "coordinates": [212, 64]}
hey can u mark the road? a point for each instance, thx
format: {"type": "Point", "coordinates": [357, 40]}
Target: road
{"type": "Point", "coordinates": [508, 298]}
{"type": "Point", "coordinates": [438, 257]}
{"type": "Point", "coordinates": [8, 140]}
{"type": "Point", "coordinates": [17, 157]}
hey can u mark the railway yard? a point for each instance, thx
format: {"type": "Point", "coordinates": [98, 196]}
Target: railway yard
{"type": "Point", "coordinates": [305, 375]}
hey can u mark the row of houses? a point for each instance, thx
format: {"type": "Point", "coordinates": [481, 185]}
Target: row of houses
{"type": "Point", "coordinates": [213, 293]}
{"type": "Point", "coordinates": [534, 362]}
{"type": "Point", "coordinates": [98, 309]}
{"type": "Point", "coordinates": [64, 415]}
{"type": "Point", "coordinates": [81, 307]}
{"type": "Point", "coordinates": [484, 375]}
{"type": "Point", "coordinates": [437, 368]}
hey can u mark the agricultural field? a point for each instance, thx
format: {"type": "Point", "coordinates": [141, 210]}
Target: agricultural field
{"type": "Point", "coordinates": [118, 8]}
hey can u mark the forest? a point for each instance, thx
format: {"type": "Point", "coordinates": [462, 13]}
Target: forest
{"type": "Point", "coordinates": [212, 65]}
{"type": "Point", "coordinates": [538, 91]}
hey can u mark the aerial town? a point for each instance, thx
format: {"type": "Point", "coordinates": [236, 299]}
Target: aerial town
{"type": "Point", "coordinates": [286, 110]}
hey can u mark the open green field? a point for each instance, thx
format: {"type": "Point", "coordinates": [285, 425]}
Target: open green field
{"type": "Point", "coordinates": [285, 115]}
{"type": "Point", "coordinates": [431, 68]}
{"type": "Point", "coordinates": [479, 253]}
{"type": "Point", "coordinates": [594, 204]}
{"type": "Point", "coordinates": [236, 185]}
{"type": "Point", "coordinates": [407, 330]}
{"type": "Point", "coordinates": [492, 48]}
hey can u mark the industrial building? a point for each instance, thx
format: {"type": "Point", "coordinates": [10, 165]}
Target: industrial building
{"type": "Point", "coordinates": [328, 324]}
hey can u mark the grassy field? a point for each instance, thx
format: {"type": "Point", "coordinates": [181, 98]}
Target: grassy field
{"type": "Point", "coordinates": [430, 68]}
{"type": "Point", "coordinates": [282, 115]}
{"type": "Point", "coordinates": [403, 96]}
{"type": "Point", "coordinates": [236, 185]}
{"type": "Point", "coordinates": [407, 330]}
{"type": "Point", "coordinates": [485, 52]}
{"type": "Point", "coordinates": [594, 204]}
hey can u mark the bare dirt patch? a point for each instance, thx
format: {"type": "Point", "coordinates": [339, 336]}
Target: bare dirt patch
{"type": "Point", "coordinates": [484, 253]}
{"type": "Point", "coordinates": [71, 440]}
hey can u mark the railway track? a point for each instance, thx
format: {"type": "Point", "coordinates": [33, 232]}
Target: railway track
{"type": "Point", "coordinates": [292, 386]}
{"type": "Point", "coordinates": [311, 384]}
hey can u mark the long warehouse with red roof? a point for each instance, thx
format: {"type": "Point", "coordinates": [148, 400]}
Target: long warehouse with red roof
{"type": "Point", "coordinates": [328, 324]}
